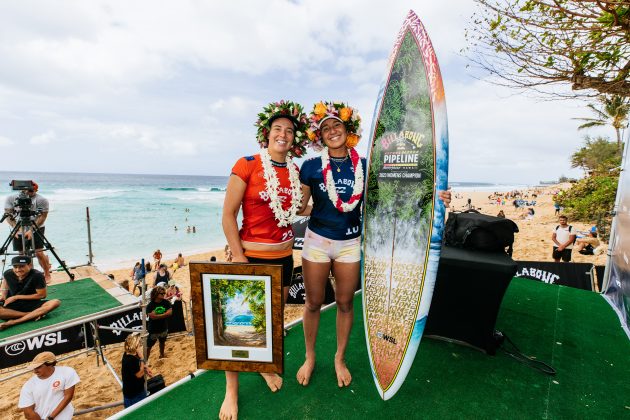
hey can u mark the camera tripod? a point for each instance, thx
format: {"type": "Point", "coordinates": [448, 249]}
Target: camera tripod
{"type": "Point", "coordinates": [23, 225]}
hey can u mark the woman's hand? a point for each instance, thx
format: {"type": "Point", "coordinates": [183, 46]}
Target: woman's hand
{"type": "Point", "coordinates": [445, 196]}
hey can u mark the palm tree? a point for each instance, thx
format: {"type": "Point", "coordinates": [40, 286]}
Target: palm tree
{"type": "Point", "coordinates": [615, 112]}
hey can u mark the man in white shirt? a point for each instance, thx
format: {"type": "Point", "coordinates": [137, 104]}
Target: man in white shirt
{"type": "Point", "coordinates": [49, 393]}
{"type": "Point", "coordinates": [563, 239]}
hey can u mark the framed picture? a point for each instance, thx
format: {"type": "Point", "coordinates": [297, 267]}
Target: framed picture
{"type": "Point", "coordinates": [237, 315]}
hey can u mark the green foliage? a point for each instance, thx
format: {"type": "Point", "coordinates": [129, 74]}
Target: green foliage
{"type": "Point", "coordinates": [614, 111]}
{"type": "Point", "coordinates": [598, 156]}
{"type": "Point", "coordinates": [534, 43]}
{"type": "Point", "coordinates": [591, 200]}
{"type": "Point", "coordinates": [406, 106]}
{"type": "Point", "coordinates": [253, 292]}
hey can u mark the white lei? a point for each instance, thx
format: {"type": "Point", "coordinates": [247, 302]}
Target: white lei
{"type": "Point", "coordinates": [332, 189]}
{"type": "Point", "coordinates": [272, 185]}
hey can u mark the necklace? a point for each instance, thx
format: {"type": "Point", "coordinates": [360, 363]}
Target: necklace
{"type": "Point", "coordinates": [272, 185]}
{"type": "Point", "coordinates": [338, 162]}
{"type": "Point", "coordinates": [329, 182]}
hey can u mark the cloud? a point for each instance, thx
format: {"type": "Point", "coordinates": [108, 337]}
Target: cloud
{"type": "Point", "coordinates": [4, 141]}
{"type": "Point", "coordinates": [44, 138]}
{"type": "Point", "coordinates": [175, 88]}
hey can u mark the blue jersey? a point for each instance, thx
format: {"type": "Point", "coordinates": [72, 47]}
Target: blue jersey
{"type": "Point", "coordinates": [325, 219]}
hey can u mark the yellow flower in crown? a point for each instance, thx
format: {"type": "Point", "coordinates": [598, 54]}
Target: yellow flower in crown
{"type": "Point", "coordinates": [320, 109]}
{"type": "Point", "coordinates": [352, 140]}
{"type": "Point", "coordinates": [345, 113]}
{"type": "Point", "coordinates": [311, 135]}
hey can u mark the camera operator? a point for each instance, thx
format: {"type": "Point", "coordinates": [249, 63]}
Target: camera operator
{"type": "Point", "coordinates": [40, 208]}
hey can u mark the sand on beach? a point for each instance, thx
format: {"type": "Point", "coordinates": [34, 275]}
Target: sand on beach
{"type": "Point", "coordinates": [98, 386]}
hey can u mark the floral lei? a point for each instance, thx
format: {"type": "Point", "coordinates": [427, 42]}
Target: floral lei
{"type": "Point", "coordinates": [291, 110]}
{"type": "Point", "coordinates": [272, 185]}
{"type": "Point", "coordinates": [357, 190]}
{"type": "Point", "coordinates": [347, 114]}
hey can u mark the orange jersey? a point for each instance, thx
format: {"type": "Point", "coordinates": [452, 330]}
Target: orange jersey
{"type": "Point", "coordinates": [259, 222]}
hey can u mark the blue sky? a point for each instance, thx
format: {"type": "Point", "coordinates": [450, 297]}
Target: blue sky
{"type": "Point", "coordinates": [174, 87]}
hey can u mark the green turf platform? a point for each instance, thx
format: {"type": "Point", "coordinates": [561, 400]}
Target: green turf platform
{"type": "Point", "coordinates": [574, 330]}
{"type": "Point", "coordinates": [78, 298]}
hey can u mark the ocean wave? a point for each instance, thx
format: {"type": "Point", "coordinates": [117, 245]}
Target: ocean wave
{"type": "Point", "coordinates": [204, 189]}
{"type": "Point", "coordinates": [77, 194]}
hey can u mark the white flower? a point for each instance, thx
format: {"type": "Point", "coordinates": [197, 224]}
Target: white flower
{"type": "Point", "coordinates": [272, 185]}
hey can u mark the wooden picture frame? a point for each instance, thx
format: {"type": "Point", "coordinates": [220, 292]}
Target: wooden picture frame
{"type": "Point", "coordinates": [237, 316]}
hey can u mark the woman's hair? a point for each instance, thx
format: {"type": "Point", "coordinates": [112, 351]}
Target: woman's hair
{"type": "Point", "coordinates": [132, 343]}
{"type": "Point", "coordinates": [147, 266]}
{"type": "Point", "coordinates": [156, 291]}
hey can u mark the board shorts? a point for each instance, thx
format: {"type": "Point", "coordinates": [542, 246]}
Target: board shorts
{"type": "Point", "coordinates": [153, 337]}
{"type": "Point", "coordinates": [285, 262]}
{"type": "Point", "coordinates": [319, 249]}
{"type": "Point", "coordinates": [39, 242]}
{"type": "Point", "coordinates": [26, 305]}
{"type": "Point", "coordinates": [565, 254]}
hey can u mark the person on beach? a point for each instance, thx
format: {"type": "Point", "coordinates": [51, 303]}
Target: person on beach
{"type": "Point", "coordinates": [40, 206]}
{"type": "Point", "coordinates": [23, 294]}
{"type": "Point", "coordinates": [587, 244]}
{"type": "Point", "coordinates": [49, 393]}
{"type": "Point", "coordinates": [267, 188]}
{"type": "Point", "coordinates": [133, 369]}
{"type": "Point", "coordinates": [157, 258]}
{"type": "Point", "coordinates": [501, 214]}
{"type": "Point", "coordinates": [138, 274]}
{"type": "Point", "coordinates": [179, 262]}
{"type": "Point", "coordinates": [332, 239]}
{"type": "Point", "coordinates": [563, 238]}
{"type": "Point", "coordinates": [158, 310]}
{"type": "Point", "coordinates": [162, 275]}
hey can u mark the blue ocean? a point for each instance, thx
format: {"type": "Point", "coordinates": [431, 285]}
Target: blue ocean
{"type": "Point", "coordinates": [133, 215]}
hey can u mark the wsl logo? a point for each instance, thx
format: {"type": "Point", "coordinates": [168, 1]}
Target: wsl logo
{"type": "Point", "coordinates": [35, 343]}
{"type": "Point", "coordinates": [386, 337]}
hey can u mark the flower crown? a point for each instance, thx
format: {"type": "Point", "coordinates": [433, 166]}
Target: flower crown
{"type": "Point", "coordinates": [338, 110]}
{"type": "Point", "coordinates": [285, 109]}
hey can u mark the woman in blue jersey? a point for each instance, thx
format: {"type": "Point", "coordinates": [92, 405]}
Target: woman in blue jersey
{"type": "Point", "coordinates": [332, 241]}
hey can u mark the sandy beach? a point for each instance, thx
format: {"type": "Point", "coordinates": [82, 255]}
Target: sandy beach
{"type": "Point", "coordinates": [98, 386]}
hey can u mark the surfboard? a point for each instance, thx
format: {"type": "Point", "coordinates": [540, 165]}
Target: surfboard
{"type": "Point", "coordinates": [403, 218]}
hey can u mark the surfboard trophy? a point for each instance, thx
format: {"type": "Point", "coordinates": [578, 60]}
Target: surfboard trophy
{"type": "Point", "coordinates": [403, 217]}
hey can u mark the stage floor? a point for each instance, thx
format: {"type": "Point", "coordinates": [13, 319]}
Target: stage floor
{"type": "Point", "coordinates": [574, 330]}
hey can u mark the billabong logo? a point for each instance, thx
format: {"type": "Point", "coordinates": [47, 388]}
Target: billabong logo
{"type": "Point", "coordinates": [386, 337]}
{"type": "Point", "coordinates": [538, 274]}
{"type": "Point", "coordinates": [15, 348]}
{"type": "Point", "coordinates": [124, 322]}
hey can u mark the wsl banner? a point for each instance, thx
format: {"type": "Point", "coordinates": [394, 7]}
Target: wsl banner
{"type": "Point", "coordinates": [59, 342]}
{"type": "Point", "coordinates": [576, 275]}
{"type": "Point", "coordinates": [618, 291]}
{"type": "Point", "coordinates": [70, 339]}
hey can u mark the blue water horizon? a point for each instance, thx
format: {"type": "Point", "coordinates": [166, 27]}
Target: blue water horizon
{"type": "Point", "coordinates": [132, 215]}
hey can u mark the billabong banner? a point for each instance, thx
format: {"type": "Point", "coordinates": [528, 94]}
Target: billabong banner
{"type": "Point", "coordinates": [566, 274]}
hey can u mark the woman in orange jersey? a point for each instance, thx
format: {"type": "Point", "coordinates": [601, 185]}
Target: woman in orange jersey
{"type": "Point", "coordinates": [267, 188]}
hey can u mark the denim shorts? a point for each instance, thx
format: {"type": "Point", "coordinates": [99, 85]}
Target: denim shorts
{"type": "Point", "coordinates": [320, 249]}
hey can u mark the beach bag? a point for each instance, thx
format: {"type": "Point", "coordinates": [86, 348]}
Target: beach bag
{"type": "Point", "coordinates": [475, 231]}
{"type": "Point", "coordinates": [155, 383]}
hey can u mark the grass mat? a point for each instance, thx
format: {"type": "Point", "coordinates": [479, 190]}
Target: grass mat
{"type": "Point", "coordinates": [574, 330]}
{"type": "Point", "coordinates": [78, 298]}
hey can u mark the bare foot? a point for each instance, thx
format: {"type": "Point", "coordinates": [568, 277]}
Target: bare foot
{"type": "Point", "coordinates": [229, 408]}
{"type": "Point", "coordinates": [5, 325]}
{"type": "Point", "coordinates": [306, 370]}
{"type": "Point", "coordinates": [274, 381]}
{"type": "Point", "coordinates": [343, 374]}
